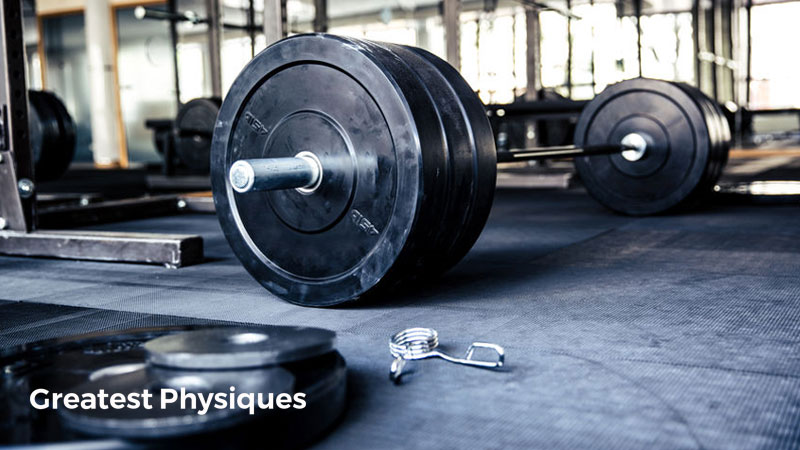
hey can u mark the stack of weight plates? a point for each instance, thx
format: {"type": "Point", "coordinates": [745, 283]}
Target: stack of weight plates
{"type": "Point", "coordinates": [197, 360]}
{"type": "Point", "coordinates": [687, 146]}
{"type": "Point", "coordinates": [719, 135]}
{"type": "Point", "coordinates": [408, 161]}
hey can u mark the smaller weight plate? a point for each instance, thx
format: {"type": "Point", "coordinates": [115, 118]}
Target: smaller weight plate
{"type": "Point", "coordinates": [59, 365]}
{"type": "Point", "coordinates": [194, 127]}
{"type": "Point", "coordinates": [237, 348]}
{"type": "Point", "coordinates": [172, 419]}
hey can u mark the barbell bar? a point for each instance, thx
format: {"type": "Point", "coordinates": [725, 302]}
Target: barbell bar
{"type": "Point", "coordinates": [304, 170]}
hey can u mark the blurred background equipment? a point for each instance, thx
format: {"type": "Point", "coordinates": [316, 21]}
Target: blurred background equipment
{"type": "Point", "coordinates": [52, 135]}
{"type": "Point", "coordinates": [165, 54]}
{"type": "Point", "coordinates": [194, 127]}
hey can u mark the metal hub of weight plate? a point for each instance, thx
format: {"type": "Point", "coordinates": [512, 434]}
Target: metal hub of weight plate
{"type": "Point", "coordinates": [194, 126]}
{"type": "Point", "coordinates": [52, 132]}
{"type": "Point", "coordinates": [238, 348]}
{"type": "Point", "coordinates": [408, 167]}
{"type": "Point", "coordinates": [686, 146]}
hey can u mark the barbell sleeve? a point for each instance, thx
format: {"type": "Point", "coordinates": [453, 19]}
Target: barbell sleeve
{"type": "Point", "coordinates": [303, 172]}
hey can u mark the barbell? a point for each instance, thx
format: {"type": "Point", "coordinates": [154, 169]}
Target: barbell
{"type": "Point", "coordinates": [342, 168]}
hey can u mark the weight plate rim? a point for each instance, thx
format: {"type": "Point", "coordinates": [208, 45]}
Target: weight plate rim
{"type": "Point", "coordinates": [248, 359]}
{"type": "Point", "coordinates": [720, 138]}
{"type": "Point", "coordinates": [329, 391]}
{"type": "Point", "coordinates": [723, 141]}
{"type": "Point", "coordinates": [443, 213]}
{"type": "Point", "coordinates": [484, 158]}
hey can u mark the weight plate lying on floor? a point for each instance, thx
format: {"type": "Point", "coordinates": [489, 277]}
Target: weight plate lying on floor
{"type": "Point", "coordinates": [321, 379]}
{"type": "Point", "coordinates": [194, 126]}
{"type": "Point", "coordinates": [116, 361]}
{"type": "Point", "coordinates": [684, 150]}
{"type": "Point", "coordinates": [396, 189]}
{"type": "Point", "coordinates": [238, 348]}
{"type": "Point", "coordinates": [59, 365]}
{"type": "Point", "coordinates": [171, 419]}
{"type": "Point", "coordinates": [52, 134]}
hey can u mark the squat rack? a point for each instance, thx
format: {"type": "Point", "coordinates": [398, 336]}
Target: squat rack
{"type": "Point", "coordinates": [19, 233]}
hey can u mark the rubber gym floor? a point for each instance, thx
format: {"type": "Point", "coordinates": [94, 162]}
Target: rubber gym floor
{"type": "Point", "coordinates": [678, 331]}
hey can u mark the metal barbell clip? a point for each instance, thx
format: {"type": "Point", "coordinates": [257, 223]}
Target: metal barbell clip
{"type": "Point", "coordinates": [421, 343]}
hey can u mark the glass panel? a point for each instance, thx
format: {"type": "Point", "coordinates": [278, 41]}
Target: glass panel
{"type": "Point", "coordinates": [493, 53]}
{"type": "Point", "coordinates": [596, 46]}
{"type": "Point", "coordinates": [236, 53]}
{"type": "Point", "coordinates": [66, 74]}
{"type": "Point", "coordinates": [667, 47]}
{"type": "Point", "coordinates": [554, 45]}
{"type": "Point", "coordinates": [30, 31]}
{"type": "Point", "coordinates": [775, 68]}
{"type": "Point", "coordinates": [605, 49]}
{"type": "Point", "coordinates": [146, 74]}
{"type": "Point", "coordinates": [194, 73]}
{"type": "Point", "coordinates": [191, 64]}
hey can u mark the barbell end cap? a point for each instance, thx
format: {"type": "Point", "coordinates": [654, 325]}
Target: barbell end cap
{"type": "Point", "coordinates": [636, 145]}
{"type": "Point", "coordinates": [242, 176]}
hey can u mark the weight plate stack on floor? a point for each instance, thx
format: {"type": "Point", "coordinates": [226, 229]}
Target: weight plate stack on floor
{"type": "Point", "coordinates": [194, 127]}
{"type": "Point", "coordinates": [685, 151]}
{"type": "Point", "coordinates": [52, 132]}
{"type": "Point", "coordinates": [290, 360]}
{"type": "Point", "coordinates": [407, 180]}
